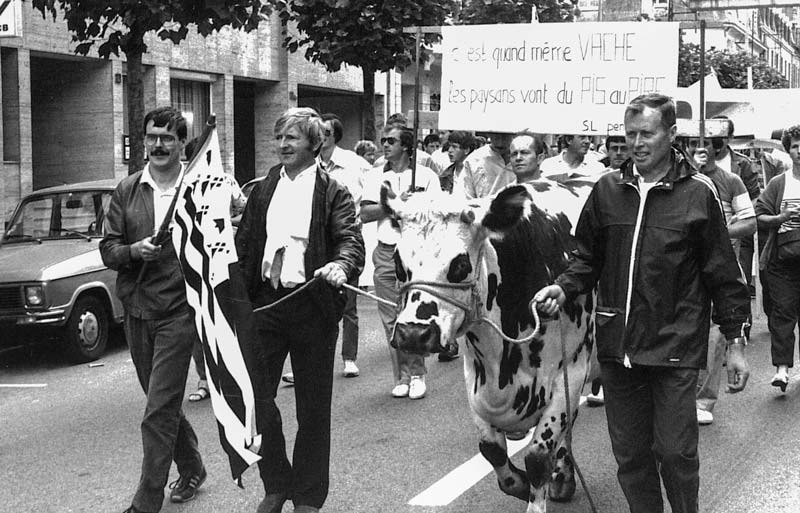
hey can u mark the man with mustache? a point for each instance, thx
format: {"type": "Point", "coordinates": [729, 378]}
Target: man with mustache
{"type": "Point", "coordinates": [159, 324]}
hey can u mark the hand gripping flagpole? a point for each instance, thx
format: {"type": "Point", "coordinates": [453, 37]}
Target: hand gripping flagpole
{"type": "Point", "coordinates": [162, 235]}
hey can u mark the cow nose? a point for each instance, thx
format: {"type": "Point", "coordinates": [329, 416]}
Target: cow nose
{"type": "Point", "coordinates": [416, 338]}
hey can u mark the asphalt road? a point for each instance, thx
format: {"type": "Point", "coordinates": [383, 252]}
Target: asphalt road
{"type": "Point", "coordinates": [73, 444]}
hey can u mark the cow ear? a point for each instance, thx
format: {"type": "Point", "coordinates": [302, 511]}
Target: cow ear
{"type": "Point", "coordinates": [508, 207]}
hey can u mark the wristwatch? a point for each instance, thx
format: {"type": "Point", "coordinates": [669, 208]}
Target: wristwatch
{"type": "Point", "coordinates": [742, 341]}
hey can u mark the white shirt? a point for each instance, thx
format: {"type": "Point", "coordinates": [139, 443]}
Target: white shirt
{"type": "Point", "coordinates": [558, 169]}
{"type": "Point", "coordinates": [350, 170]}
{"type": "Point", "coordinates": [484, 173]}
{"type": "Point", "coordinates": [288, 223]}
{"type": "Point", "coordinates": [161, 198]}
{"type": "Point", "coordinates": [425, 178]}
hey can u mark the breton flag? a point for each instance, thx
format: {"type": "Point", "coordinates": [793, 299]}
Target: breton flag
{"type": "Point", "coordinates": [203, 238]}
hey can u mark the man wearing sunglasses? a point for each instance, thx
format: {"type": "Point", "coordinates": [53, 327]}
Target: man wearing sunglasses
{"type": "Point", "coordinates": [159, 324]}
{"type": "Point", "coordinates": [398, 143]}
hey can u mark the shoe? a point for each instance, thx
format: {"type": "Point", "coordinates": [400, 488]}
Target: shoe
{"type": "Point", "coordinates": [400, 390]}
{"type": "Point", "coordinates": [449, 354]}
{"type": "Point", "coordinates": [417, 388]}
{"type": "Point", "coordinates": [596, 399]}
{"type": "Point", "coordinates": [198, 395]}
{"type": "Point", "coordinates": [185, 488]}
{"type": "Point", "coordinates": [272, 503]}
{"type": "Point", "coordinates": [288, 378]}
{"type": "Point", "coordinates": [303, 508]}
{"type": "Point", "coordinates": [350, 369]}
{"type": "Point", "coordinates": [704, 417]}
{"type": "Point", "coordinates": [781, 379]}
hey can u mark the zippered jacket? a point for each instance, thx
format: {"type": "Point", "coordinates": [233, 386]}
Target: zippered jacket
{"type": "Point", "coordinates": [657, 262]}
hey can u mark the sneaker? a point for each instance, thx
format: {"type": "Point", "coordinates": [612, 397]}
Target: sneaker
{"type": "Point", "coordinates": [781, 379]}
{"type": "Point", "coordinates": [704, 417]}
{"type": "Point", "coordinates": [596, 399]}
{"type": "Point", "coordinates": [400, 390]}
{"type": "Point", "coordinates": [288, 378]}
{"type": "Point", "coordinates": [185, 488]}
{"type": "Point", "coordinates": [417, 388]}
{"type": "Point", "coordinates": [350, 369]}
{"type": "Point", "coordinates": [449, 354]}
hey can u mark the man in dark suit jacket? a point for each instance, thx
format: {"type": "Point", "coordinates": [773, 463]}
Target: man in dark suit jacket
{"type": "Point", "coordinates": [298, 242]}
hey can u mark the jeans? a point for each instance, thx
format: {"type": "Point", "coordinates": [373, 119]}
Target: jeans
{"type": "Point", "coordinates": [653, 428]}
{"type": "Point", "coordinates": [160, 350]}
{"type": "Point", "coordinates": [784, 292]}
{"type": "Point", "coordinates": [404, 365]}
{"type": "Point", "coordinates": [350, 325]}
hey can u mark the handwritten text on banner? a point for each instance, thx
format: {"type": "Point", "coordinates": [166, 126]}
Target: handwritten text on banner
{"type": "Point", "coordinates": [553, 77]}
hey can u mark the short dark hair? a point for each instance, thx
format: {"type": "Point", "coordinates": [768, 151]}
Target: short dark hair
{"type": "Point", "coordinates": [430, 138]}
{"type": "Point", "coordinates": [657, 101]}
{"type": "Point", "coordinates": [615, 139]}
{"type": "Point", "coordinates": [363, 147]}
{"type": "Point", "coordinates": [169, 117]}
{"type": "Point", "coordinates": [336, 124]}
{"type": "Point", "coordinates": [464, 139]}
{"type": "Point", "coordinates": [397, 120]}
{"type": "Point", "coordinates": [793, 132]}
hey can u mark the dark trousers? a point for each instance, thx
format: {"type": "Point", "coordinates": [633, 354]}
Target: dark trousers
{"type": "Point", "coordinates": [307, 331]}
{"type": "Point", "coordinates": [350, 325]}
{"type": "Point", "coordinates": [160, 350]}
{"type": "Point", "coordinates": [653, 427]}
{"type": "Point", "coordinates": [784, 291]}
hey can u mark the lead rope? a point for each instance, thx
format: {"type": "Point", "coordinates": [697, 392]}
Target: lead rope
{"type": "Point", "coordinates": [568, 434]}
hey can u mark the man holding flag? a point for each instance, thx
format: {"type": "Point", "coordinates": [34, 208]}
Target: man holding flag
{"type": "Point", "coordinates": [159, 324]}
{"type": "Point", "coordinates": [298, 242]}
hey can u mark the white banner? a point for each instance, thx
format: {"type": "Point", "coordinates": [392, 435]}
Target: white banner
{"type": "Point", "coordinates": [572, 78]}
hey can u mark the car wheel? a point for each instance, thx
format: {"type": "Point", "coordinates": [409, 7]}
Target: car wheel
{"type": "Point", "coordinates": [87, 330]}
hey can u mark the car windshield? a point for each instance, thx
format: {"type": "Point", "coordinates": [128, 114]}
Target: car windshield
{"type": "Point", "coordinates": [64, 215]}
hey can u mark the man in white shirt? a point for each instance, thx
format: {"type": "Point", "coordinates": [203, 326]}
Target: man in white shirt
{"type": "Point", "coordinates": [573, 163]}
{"type": "Point", "coordinates": [398, 143]}
{"type": "Point", "coordinates": [350, 170]}
{"type": "Point", "coordinates": [487, 169]}
{"type": "Point", "coordinates": [527, 153]}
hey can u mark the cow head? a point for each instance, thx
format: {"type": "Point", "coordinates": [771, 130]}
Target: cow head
{"type": "Point", "coordinates": [441, 260]}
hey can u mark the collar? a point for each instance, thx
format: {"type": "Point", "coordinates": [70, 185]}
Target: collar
{"type": "Point", "coordinates": [680, 169]}
{"type": "Point", "coordinates": [147, 177]}
{"type": "Point", "coordinates": [310, 170]}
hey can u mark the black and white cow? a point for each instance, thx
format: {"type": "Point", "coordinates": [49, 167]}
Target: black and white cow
{"type": "Point", "coordinates": [461, 263]}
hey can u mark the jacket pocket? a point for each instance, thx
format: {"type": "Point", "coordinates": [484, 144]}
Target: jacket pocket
{"type": "Point", "coordinates": [609, 325]}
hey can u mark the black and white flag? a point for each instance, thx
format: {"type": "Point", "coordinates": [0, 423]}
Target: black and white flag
{"type": "Point", "coordinates": [203, 238]}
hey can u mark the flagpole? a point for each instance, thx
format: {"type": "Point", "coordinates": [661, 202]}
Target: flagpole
{"type": "Point", "coordinates": [162, 234]}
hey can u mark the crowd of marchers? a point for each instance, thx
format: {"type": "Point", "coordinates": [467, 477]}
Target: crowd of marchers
{"type": "Point", "coordinates": [300, 239]}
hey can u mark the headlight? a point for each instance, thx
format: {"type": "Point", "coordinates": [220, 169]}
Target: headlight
{"type": "Point", "coordinates": [34, 295]}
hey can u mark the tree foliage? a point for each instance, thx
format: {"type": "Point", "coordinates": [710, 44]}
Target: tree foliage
{"type": "Point", "coordinates": [120, 25]}
{"type": "Point", "coordinates": [475, 12]}
{"type": "Point", "coordinates": [730, 67]}
{"type": "Point", "coordinates": [364, 33]}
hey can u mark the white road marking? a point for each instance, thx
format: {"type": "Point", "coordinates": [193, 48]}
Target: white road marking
{"type": "Point", "coordinates": [465, 476]}
{"type": "Point", "coordinates": [22, 385]}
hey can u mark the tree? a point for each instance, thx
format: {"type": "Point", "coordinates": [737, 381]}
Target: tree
{"type": "Point", "coordinates": [363, 33]}
{"type": "Point", "coordinates": [120, 25]}
{"type": "Point", "coordinates": [515, 11]}
{"type": "Point", "coordinates": [731, 68]}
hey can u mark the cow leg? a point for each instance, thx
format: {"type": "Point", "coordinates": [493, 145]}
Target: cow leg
{"type": "Point", "coordinates": [510, 479]}
{"type": "Point", "coordinates": [562, 481]}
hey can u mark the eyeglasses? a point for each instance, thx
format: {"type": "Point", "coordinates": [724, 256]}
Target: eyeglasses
{"type": "Point", "coordinates": [166, 139]}
{"type": "Point", "coordinates": [390, 140]}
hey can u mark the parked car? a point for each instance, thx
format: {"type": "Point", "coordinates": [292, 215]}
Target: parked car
{"type": "Point", "coordinates": [52, 279]}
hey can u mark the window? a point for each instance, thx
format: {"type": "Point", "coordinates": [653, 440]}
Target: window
{"type": "Point", "coordinates": [193, 100]}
